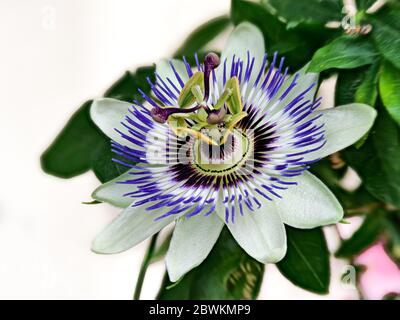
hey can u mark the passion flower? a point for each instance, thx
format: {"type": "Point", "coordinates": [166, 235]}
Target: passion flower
{"type": "Point", "coordinates": [228, 143]}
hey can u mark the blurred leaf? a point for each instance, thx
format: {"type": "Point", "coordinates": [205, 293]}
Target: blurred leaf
{"type": "Point", "coordinates": [272, 28]}
{"type": "Point", "coordinates": [392, 233]}
{"type": "Point", "coordinates": [92, 202]}
{"type": "Point", "coordinates": [377, 161]}
{"type": "Point", "coordinates": [389, 14]}
{"type": "Point", "coordinates": [74, 149]}
{"type": "Point", "coordinates": [306, 263]}
{"type": "Point", "coordinates": [358, 202]}
{"type": "Point", "coordinates": [358, 85]}
{"type": "Point", "coordinates": [200, 37]}
{"type": "Point", "coordinates": [364, 4]}
{"type": "Point", "coordinates": [308, 11]}
{"type": "Point", "coordinates": [324, 171]}
{"type": "Point", "coordinates": [82, 146]}
{"type": "Point", "coordinates": [351, 201]}
{"type": "Point", "coordinates": [345, 52]}
{"type": "Point", "coordinates": [227, 273]}
{"type": "Point", "coordinates": [386, 33]}
{"type": "Point", "coordinates": [126, 87]}
{"type": "Point", "coordinates": [367, 92]}
{"type": "Point", "coordinates": [347, 83]}
{"type": "Point", "coordinates": [299, 45]}
{"type": "Point", "coordinates": [392, 296]}
{"type": "Point", "coordinates": [389, 88]}
{"type": "Point", "coordinates": [296, 45]}
{"type": "Point", "coordinates": [363, 238]}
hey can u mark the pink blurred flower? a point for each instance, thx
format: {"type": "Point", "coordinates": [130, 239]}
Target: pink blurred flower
{"type": "Point", "coordinates": [382, 275]}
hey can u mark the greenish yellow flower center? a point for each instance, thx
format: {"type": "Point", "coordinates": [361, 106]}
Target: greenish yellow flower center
{"type": "Point", "coordinates": [221, 159]}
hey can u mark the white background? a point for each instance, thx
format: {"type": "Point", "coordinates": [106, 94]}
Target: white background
{"type": "Point", "coordinates": [55, 55]}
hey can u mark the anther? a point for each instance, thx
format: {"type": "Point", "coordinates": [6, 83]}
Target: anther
{"type": "Point", "coordinates": [161, 115]}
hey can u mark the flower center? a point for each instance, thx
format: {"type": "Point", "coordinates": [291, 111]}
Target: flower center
{"type": "Point", "coordinates": [221, 159]}
{"type": "Point", "coordinates": [196, 111]}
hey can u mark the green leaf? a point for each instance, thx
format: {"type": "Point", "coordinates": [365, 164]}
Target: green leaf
{"type": "Point", "coordinates": [386, 34]}
{"type": "Point", "coordinates": [81, 146]}
{"type": "Point", "coordinates": [367, 92]}
{"type": "Point", "coordinates": [271, 27]}
{"type": "Point", "coordinates": [297, 45]}
{"type": "Point", "coordinates": [74, 149]}
{"type": "Point", "coordinates": [392, 296]}
{"type": "Point", "coordinates": [392, 235]}
{"type": "Point", "coordinates": [355, 202]}
{"type": "Point", "coordinates": [364, 237]}
{"type": "Point", "coordinates": [126, 88]}
{"type": "Point", "coordinates": [317, 12]}
{"type": "Point", "coordinates": [389, 14]}
{"type": "Point", "coordinates": [377, 161]}
{"type": "Point", "coordinates": [347, 83]}
{"type": "Point", "coordinates": [200, 37]}
{"type": "Point", "coordinates": [345, 52]}
{"type": "Point", "coordinates": [389, 88]}
{"type": "Point", "coordinates": [227, 273]}
{"type": "Point", "coordinates": [358, 85]}
{"type": "Point", "coordinates": [92, 202]}
{"type": "Point", "coordinates": [102, 165]}
{"type": "Point", "coordinates": [306, 263]}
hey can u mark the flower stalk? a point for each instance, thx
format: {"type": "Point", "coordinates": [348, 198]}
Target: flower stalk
{"type": "Point", "coordinates": [144, 266]}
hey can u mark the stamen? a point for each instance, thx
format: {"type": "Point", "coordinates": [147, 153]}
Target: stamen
{"type": "Point", "coordinates": [211, 61]}
{"type": "Point", "coordinates": [161, 115]}
{"type": "Point", "coordinates": [198, 94]}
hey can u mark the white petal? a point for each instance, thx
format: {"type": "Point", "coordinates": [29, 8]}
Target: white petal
{"type": "Point", "coordinates": [309, 204]}
{"type": "Point", "coordinates": [131, 227]}
{"type": "Point", "coordinates": [245, 37]}
{"type": "Point", "coordinates": [344, 125]}
{"type": "Point", "coordinates": [261, 233]}
{"type": "Point", "coordinates": [113, 192]}
{"type": "Point", "coordinates": [191, 243]}
{"type": "Point", "coordinates": [163, 68]}
{"type": "Point", "coordinates": [107, 114]}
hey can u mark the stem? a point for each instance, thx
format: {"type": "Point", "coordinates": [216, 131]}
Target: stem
{"type": "Point", "coordinates": [144, 266]}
